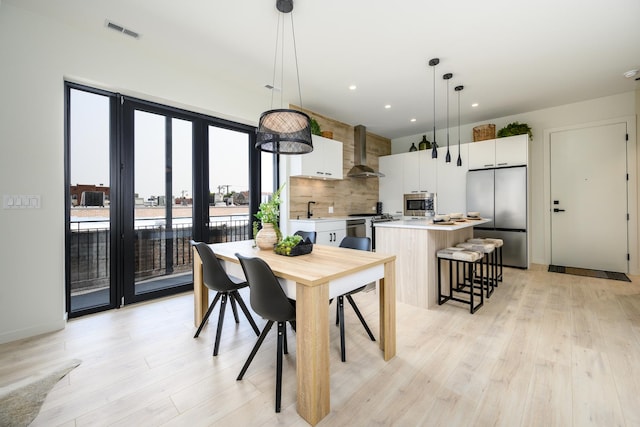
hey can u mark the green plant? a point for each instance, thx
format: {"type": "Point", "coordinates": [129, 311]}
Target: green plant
{"type": "Point", "coordinates": [315, 127]}
{"type": "Point", "coordinates": [269, 213]}
{"type": "Point", "coordinates": [515, 128]}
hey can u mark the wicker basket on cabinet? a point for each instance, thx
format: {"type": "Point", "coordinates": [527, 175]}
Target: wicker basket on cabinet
{"type": "Point", "coordinates": [484, 132]}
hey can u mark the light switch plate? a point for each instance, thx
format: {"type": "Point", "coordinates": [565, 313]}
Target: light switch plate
{"type": "Point", "coordinates": [21, 201]}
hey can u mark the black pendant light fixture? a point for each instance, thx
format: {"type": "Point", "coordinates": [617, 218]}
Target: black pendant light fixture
{"type": "Point", "coordinates": [459, 89]}
{"type": "Point", "coordinates": [434, 146]}
{"type": "Point", "coordinates": [284, 131]}
{"type": "Point", "coordinates": [447, 77]}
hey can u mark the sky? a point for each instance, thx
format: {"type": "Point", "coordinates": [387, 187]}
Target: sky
{"type": "Point", "coordinates": [228, 157]}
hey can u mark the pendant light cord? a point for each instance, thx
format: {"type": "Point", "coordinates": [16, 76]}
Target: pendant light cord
{"type": "Point", "coordinates": [280, 42]}
{"type": "Point", "coordinates": [295, 55]}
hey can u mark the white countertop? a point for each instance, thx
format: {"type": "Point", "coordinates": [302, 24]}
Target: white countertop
{"type": "Point", "coordinates": [329, 218]}
{"type": "Point", "coordinates": [427, 224]}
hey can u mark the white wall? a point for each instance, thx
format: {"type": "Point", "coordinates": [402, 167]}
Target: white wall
{"type": "Point", "coordinates": [36, 57]}
{"type": "Point", "coordinates": [623, 106]}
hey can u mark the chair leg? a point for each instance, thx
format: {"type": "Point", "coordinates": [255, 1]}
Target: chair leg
{"type": "Point", "coordinates": [234, 308]}
{"type": "Point", "coordinates": [206, 316]}
{"type": "Point", "coordinates": [279, 349]}
{"type": "Point", "coordinates": [236, 296]}
{"type": "Point", "coordinates": [284, 336]}
{"type": "Point", "coordinates": [337, 312]}
{"type": "Point", "coordinates": [340, 320]}
{"type": "Point", "coordinates": [264, 333]}
{"type": "Point", "coordinates": [223, 306]}
{"type": "Point", "coordinates": [355, 308]}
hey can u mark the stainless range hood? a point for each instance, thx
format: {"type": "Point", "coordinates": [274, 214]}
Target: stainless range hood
{"type": "Point", "coordinates": [361, 170]}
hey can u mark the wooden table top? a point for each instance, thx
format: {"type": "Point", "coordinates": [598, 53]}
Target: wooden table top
{"type": "Point", "coordinates": [323, 264]}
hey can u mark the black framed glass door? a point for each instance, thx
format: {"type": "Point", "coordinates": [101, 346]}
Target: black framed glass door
{"type": "Point", "coordinates": [159, 172]}
{"type": "Point", "coordinates": [158, 203]}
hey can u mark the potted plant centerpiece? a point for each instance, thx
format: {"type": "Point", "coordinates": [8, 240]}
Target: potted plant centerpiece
{"type": "Point", "coordinates": [268, 215]}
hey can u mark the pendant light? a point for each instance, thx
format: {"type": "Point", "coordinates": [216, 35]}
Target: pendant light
{"type": "Point", "coordinates": [434, 146]}
{"type": "Point", "coordinates": [283, 130]}
{"type": "Point", "coordinates": [447, 77]}
{"type": "Point", "coordinates": [459, 89]}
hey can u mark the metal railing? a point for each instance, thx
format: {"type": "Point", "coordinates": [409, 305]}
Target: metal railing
{"type": "Point", "coordinates": [158, 251]}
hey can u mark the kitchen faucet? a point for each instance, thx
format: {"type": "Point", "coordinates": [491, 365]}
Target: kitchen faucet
{"type": "Point", "coordinates": [309, 214]}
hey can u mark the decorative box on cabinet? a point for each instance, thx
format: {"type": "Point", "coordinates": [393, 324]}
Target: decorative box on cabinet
{"type": "Point", "coordinates": [325, 161]}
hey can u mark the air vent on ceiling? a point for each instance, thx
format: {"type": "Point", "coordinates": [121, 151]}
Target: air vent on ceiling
{"type": "Point", "coordinates": [123, 30]}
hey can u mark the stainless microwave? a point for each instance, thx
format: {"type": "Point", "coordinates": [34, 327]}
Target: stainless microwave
{"type": "Point", "coordinates": [418, 204]}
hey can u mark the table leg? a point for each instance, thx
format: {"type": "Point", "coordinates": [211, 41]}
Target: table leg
{"type": "Point", "coordinates": [387, 298]}
{"type": "Point", "coordinates": [200, 291]}
{"type": "Point", "coordinates": [312, 343]}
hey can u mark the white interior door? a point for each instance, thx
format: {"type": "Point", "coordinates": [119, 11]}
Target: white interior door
{"type": "Point", "coordinates": [589, 198]}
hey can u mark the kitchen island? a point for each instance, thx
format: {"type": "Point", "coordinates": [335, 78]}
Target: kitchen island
{"type": "Point", "coordinates": [415, 243]}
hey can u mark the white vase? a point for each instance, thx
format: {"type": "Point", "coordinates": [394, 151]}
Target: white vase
{"type": "Point", "coordinates": [266, 237]}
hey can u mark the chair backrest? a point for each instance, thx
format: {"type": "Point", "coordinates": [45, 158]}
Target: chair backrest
{"type": "Point", "coordinates": [213, 275]}
{"type": "Point", "coordinates": [265, 293]}
{"type": "Point", "coordinates": [361, 243]}
{"type": "Point", "coordinates": [311, 235]}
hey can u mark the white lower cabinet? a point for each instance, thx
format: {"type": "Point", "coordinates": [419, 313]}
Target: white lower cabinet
{"type": "Point", "coordinates": [328, 232]}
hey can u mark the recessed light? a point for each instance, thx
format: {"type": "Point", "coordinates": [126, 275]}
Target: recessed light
{"type": "Point", "coordinates": [412, 120]}
{"type": "Point", "coordinates": [352, 87]}
{"type": "Point", "coordinates": [475, 104]}
{"type": "Point", "coordinates": [387, 106]}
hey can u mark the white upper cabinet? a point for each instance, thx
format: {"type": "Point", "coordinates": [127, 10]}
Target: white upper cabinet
{"type": "Point", "coordinates": [512, 151]}
{"type": "Point", "coordinates": [391, 187]}
{"type": "Point", "coordinates": [482, 154]}
{"type": "Point", "coordinates": [325, 161]}
{"type": "Point", "coordinates": [419, 172]}
{"type": "Point", "coordinates": [452, 180]}
{"type": "Point", "coordinates": [501, 152]}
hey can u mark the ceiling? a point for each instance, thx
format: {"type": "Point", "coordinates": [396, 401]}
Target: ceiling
{"type": "Point", "coordinates": [511, 56]}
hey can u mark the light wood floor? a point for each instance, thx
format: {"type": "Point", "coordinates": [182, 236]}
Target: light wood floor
{"type": "Point", "coordinates": [547, 349]}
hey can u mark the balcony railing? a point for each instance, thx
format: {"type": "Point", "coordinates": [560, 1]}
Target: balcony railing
{"type": "Point", "coordinates": [159, 251]}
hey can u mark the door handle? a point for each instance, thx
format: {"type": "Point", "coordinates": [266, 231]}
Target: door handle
{"type": "Point", "coordinates": [558, 210]}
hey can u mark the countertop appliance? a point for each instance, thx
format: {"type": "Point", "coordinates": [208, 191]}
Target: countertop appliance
{"type": "Point", "coordinates": [501, 194]}
{"type": "Point", "coordinates": [418, 204]}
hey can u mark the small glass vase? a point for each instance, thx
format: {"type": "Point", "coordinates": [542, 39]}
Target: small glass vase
{"type": "Point", "coordinates": [266, 237]}
{"type": "Point", "coordinates": [424, 144]}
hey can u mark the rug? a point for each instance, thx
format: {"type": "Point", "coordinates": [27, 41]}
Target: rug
{"type": "Point", "coordinates": [20, 402]}
{"type": "Point", "coordinates": [612, 275]}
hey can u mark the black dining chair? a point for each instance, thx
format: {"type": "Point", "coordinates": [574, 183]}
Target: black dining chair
{"type": "Point", "coordinates": [311, 235]}
{"type": "Point", "coordinates": [268, 300]}
{"type": "Point", "coordinates": [226, 287]}
{"type": "Point", "coordinates": [363, 244]}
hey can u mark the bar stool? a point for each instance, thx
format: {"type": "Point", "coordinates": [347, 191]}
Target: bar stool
{"type": "Point", "coordinates": [497, 259]}
{"type": "Point", "coordinates": [469, 260]}
{"type": "Point", "coordinates": [488, 251]}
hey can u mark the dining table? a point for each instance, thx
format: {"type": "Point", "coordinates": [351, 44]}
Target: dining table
{"type": "Point", "coordinates": [312, 280]}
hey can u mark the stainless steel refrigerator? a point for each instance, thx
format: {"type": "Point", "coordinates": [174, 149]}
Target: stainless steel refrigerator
{"type": "Point", "coordinates": [501, 194]}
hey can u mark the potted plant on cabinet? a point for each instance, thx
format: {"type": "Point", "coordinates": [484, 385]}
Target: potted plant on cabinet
{"type": "Point", "coordinates": [515, 128]}
{"type": "Point", "coordinates": [268, 216]}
